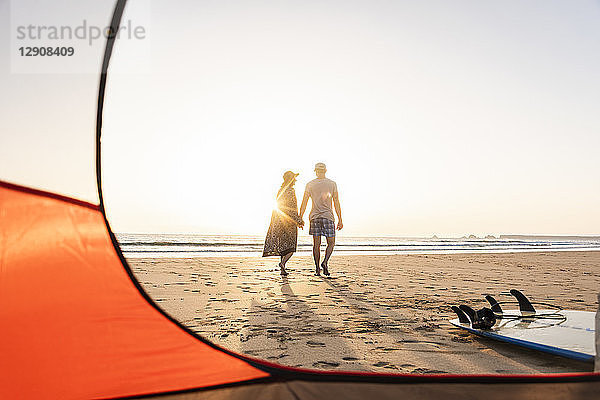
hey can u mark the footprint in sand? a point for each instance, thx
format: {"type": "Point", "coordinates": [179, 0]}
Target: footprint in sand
{"type": "Point", "coordinates": [326, 364]}
{"type": "Point", "coordinates": [278, 357]}
{"type": "Point", "coordinates": [427, 327]}
{"type": "Point", "coordinates": [462, 339]}
{"type": "Point", "coordinates": [427, 371]}
{"type": "Point", "coordinates": [381, 364]}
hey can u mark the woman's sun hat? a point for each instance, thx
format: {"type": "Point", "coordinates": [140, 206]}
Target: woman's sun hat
{"type": "Point", "coordinates": [289, 175]}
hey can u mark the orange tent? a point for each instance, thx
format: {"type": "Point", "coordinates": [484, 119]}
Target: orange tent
{"type": "Point", "coordinates": [76, 324]}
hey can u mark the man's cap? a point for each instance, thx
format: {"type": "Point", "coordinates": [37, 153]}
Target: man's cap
{"type": "Point", "coordinates": [289, 175]}
{"type": "Point", "coordinates": [320, 166]}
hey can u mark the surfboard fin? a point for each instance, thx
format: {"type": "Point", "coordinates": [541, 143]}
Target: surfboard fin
{"type": "Point", "coordinates": [470, 312]}
{"type": "Point", "coordinates": [524, 304]}
{"type": "Point", "coordinates": [482, 319]}
{"type": "Point", "coordinates": [495, 305]}
{"type": "Point", "coordinates": [462, 317]}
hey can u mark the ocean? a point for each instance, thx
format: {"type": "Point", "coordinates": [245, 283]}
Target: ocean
{"type": "Point", "coordinates": [160, 245]}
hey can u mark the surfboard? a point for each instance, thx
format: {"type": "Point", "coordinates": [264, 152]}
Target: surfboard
{"type": "Point", "coordinates": [566, 333]}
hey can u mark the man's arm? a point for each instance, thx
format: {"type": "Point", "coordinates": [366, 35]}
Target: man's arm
{"type": "Point", "coordinates": [304, 204]}
{"type": "Point", "coordinates": [338, 210]}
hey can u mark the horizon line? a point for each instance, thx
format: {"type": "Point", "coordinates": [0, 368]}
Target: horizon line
{"type": "Point", "coordinates": [434, 236]}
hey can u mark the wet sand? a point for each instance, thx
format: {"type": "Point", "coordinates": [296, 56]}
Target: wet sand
{"type": "Point", "coordinates": [384, 313]}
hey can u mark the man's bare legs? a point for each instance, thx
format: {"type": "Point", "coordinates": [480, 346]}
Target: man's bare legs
{"type": "Point", "coordinates": [317, 253]}
{"type": "Point", "coordinates": [328, 251]}
{"type": "Point", "coordinates": [284, 260]}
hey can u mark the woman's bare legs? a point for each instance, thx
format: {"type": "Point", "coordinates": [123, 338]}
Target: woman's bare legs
{"type": "Point", "coordinates": [284, 260]}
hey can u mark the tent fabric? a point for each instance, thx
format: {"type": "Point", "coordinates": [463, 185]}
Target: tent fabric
{"type": "Point", "coordinates": [295, 390]}
{"type": "Point", "coordinates": [74, 325]}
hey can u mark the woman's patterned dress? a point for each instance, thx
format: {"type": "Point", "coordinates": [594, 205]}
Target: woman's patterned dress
{"type": "Point", "coordinates": [282, 236]}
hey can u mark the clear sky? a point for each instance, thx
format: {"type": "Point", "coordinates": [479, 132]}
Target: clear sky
{"type": "Point", "coordinates": [434, 117]}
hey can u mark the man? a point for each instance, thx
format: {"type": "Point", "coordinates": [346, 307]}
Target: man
{"type": "Point", "coordinates": [323, 192]}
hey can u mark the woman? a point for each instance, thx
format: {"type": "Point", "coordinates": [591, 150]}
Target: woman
{"type": "Point", "coordinates": [282, 236]}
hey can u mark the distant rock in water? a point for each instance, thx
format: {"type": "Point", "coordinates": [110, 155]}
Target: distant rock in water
{"type": "Point", "coordinates": [491, 237]}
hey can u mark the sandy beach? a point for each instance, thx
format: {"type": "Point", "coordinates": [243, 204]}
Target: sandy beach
{"type": "Point", "coordinates": [385, 313]}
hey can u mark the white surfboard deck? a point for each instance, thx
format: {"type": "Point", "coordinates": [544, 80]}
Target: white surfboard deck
{"type": "Point", "coordinates": [573, 337]}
